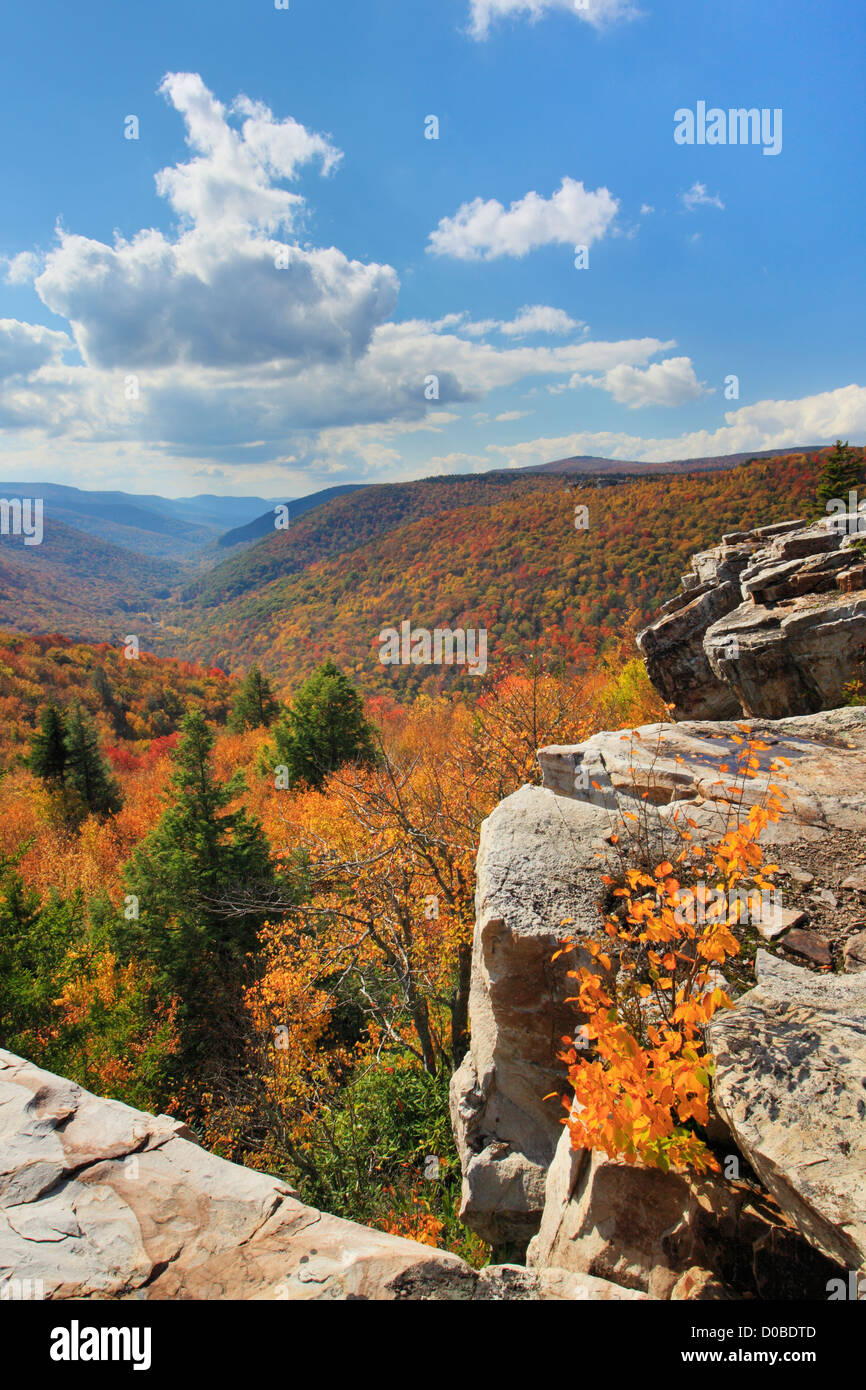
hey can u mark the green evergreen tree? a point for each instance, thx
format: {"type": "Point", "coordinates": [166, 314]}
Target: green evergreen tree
{"type": "Point", "coordinates": [198, 883]}
{"type": "Point", "coordinates": [325, 728]}
{"type": "Point", "coordinates": [36, 963]}
{"type": "Point", "coordinates": [255, 705]}
{"type": "Point", "coordinates": [48, 750]}
{"type": "Point", "coordinates": [842, 471]}
{"type": "Point", "coordinates": [87, 772]}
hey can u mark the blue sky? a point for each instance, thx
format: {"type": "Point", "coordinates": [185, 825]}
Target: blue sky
{"type": "Point", "coordinates": [254, 294]}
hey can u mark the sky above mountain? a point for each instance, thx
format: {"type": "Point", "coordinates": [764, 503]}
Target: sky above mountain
{"type": "Point", "coordinates": [249, 249]}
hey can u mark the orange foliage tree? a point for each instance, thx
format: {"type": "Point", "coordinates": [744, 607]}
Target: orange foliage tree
{"type": "Point", "coordinates": [639, 1065]}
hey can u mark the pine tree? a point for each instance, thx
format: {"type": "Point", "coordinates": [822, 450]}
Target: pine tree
{"type": "Point", "coordinates": [48, 751]}
{"type": "Point", "coordinates": [191, 880]}
{"type": "Point", "coordinates": [87, 772]}
{"type": "Point", "coordinates": [325, 728]}
{"type": "Point", "coordinates": [255, 705]}
{"type": "Point", "coordinates": [842, 471]}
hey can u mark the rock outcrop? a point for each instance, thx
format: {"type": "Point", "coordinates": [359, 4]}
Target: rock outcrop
{"type": "Point", "coordinates": [771, 623]}
{"type": "Point", "coordinates": [538, 864]}
{"type": "Point", "coordinates": [542, 854]}
{"type": "Point", "coordinates": [98, 1200]}
{"type": "Point", "coordinates": [790, 1082]}
{"type": "Point", "coordinates": [647, 1230]}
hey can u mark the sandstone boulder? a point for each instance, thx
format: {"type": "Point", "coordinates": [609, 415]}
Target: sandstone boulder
{"type": "Point", "coordinates": [98, 1200]}
{"type": "Point", "coordinates": [644, 1229]}
{"type": "Point", "coordinates": [790, 1082]}
{"type": "Point", "coordinates": [538, 863]}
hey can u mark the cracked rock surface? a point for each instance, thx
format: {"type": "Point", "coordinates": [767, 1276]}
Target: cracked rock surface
{"type": "Point", "coordinates": [98, 1200]}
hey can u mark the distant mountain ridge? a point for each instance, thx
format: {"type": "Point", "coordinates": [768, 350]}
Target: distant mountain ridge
{"type": "Point", "coordinates": [262, 526]}
{"type": "Point", "coordinates": [164, 527]}
{"type": "Point", "coordinates": [589, 463]}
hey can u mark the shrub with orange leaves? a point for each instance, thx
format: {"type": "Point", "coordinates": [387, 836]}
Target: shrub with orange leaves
{"type": "Point", "coordinates": [638, 1064]}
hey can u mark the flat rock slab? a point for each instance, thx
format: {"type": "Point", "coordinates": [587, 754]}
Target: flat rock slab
{"type": "Point", "coordinates": [790, 1082]}
{"type": "Point", "coordinates": [100, 1200]}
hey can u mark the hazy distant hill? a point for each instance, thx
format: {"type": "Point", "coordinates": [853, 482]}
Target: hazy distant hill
{"type": "Point", "coordinates": [587, 463]}
{"type": "Point", "coordinates": [263, 525]}
{"type": "Point", "coordinates": [81, 586]}
{"type": "Point", "coordinates": [173, 528]}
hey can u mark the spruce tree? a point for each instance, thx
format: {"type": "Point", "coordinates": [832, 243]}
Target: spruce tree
{"type": "Point", "coordinates": [87, 772]}
{"type": "Point", "coordinates": [48, 751]}
{"type": "Point", "coordinates": [255, 705]}
{"type": "Point", "coordinates": [197, 883]}
{"type": "Point", "coordinates": [842, 471]}
{"type": "Point", "coordinates": [325, 728]}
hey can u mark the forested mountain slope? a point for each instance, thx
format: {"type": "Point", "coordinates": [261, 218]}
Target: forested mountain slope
{"type": "Point", "coordinates": [512, 561]}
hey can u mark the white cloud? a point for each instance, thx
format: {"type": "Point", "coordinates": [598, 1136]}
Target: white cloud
{"type": "Point", "coordinates": [485, 230]}
{"type": "Point", "coordinates": [532, 318]}
{"type": "Point", "coordinates": [698, 197]}
{"type": "Point", "coordinates": [508, 415]}
{"type": "Point", "coordinates": [816, 419]}
{"type": "Point", "coordinates": [671, 382]}
{"type": "Point", "coordinates": [596, 12]}
{"type": "Point", "coordinates": [231, 178]}
{"type": "Point", "coordinates": [646, 209]}
{"type": "Point", "coordinates": [21, 269]}
{"type": "Point", "coordinates": [223, 292]}
{"type": "Point", "coordinates": [25, 348]}
{"type": "Point", "coordinates": [539, 318]}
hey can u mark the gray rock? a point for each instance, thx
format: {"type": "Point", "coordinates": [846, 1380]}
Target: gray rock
{"type": "Point", "coordinates": [98, 1200]}
{"type": "Point", "coordinates": [789, 1081]}
{"type": "Point", "coordinates": [538, 863]}
{"type": "Point", "coordinates": [856, 882]}
{"type": "Point", "coordinates": [772, 626]}
{"type": "Point", "coordinates": [855, 953]}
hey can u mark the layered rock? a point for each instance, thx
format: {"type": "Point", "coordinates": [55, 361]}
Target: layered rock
{"type": "Point", "coordinates": [100, 1200]}
{"type": "Point", "coordinates": [771, 623]}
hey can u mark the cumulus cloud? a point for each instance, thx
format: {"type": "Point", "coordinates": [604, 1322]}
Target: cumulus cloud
{"type": "Point", "coordinates": [231, 178]}
{"type": "Point", "coordinates": [671, 382]}
{"type": "Point", "coordinates": [214, 300]}
{"type": "Point", "coordinates": [484, 230]}
{"type": "Point", "coordinates": [21, 269]}
{"type": "Point", "coordinates": [817, 419]}
{"type": "Point", "coordinates": [223, 292]}
{"type": "Point", "coordinates": [698, 197]}
{"type": "Point", "coordinates": [25, 348]}
{"type": "Point", "coordinates": [599, 13]}
{"type": "Point", "coordinates": [539, 318]}
{"type": "Point", "coordinates": [533, 318]}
